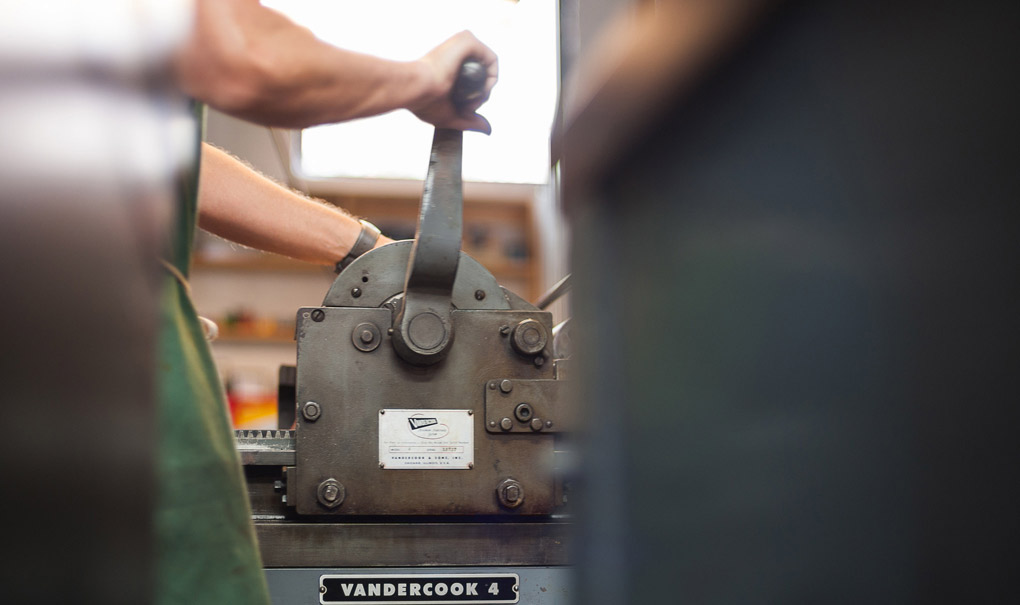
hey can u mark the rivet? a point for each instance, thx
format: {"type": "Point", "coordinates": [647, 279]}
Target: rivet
{"type": "Point", "coordinates": [539, 361]}
{"type": "Point", "coordinates": [548, 424]}
{"type": "Point", "coordinates": [492, 424]}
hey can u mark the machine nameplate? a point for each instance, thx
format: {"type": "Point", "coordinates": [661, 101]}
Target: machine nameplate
{"type": "Point", "coordinates": [419, 588]}
{"type": "Point", "coordinates": [426, 439]}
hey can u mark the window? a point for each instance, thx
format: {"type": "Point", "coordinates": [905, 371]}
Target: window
{"type": "Point", "coordinates": [396, 145]}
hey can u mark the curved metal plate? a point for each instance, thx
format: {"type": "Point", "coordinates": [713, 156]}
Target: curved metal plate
{"type": "Point", "coordinates": [379, 275]}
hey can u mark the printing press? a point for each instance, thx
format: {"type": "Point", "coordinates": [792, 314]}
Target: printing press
{"type": "Point", "coordinates": [430, 408]}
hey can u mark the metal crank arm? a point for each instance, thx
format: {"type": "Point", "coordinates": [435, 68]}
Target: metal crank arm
{"type": "Point", "coordinates": [422, 329]}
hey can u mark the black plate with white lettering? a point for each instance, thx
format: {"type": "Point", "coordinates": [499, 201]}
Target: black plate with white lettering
{"type": "Point", "coordinates": [418, 588]}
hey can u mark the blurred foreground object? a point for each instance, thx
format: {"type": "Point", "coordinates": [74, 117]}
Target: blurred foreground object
{"type": "Point", "coordinates": [795, 283]}
{"type": "Point", "coordinates": [92, 144]}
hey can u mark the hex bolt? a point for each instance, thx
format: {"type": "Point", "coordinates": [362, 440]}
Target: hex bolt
{"type": "Point", "coordinates": [356, 292]}
{"type": "Point", "coordinates": [510, 493]}
{"type": "Point", "coordinates": [311, 411]}
{"type": "Point", "coordinates": [506, 424]}
{"type": "Point", "coordinates": [331, 493]}
{"type": "Point", "coordinates": [318, 315]}
{"type": "Point", "coordinates": [506, 386]}
{"type": "Point", "coordinates": [537, 424]}
{"type": "Point", "coordinates": [479, 294]}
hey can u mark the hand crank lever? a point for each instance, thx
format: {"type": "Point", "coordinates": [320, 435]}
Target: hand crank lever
{"type": "Point", "coordinates": [422, 329]}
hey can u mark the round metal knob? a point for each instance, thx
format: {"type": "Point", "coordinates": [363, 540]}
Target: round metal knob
{"type": "Point", "coordinates": [366, 337]}
{"type": "Point", "coordinates": [529, 337]}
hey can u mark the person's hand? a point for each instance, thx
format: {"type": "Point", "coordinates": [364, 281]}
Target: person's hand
{"type": "Point", "coordinates": [439, 68]}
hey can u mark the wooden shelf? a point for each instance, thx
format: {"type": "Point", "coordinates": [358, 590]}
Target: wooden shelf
{"type": "Point", "coordinates": [283, 334]}
{"type": "Point", "coordinates": [257, 261]}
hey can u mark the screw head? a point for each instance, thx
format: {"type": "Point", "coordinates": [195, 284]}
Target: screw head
{"type": "Point", "coordinates": [318, 315]}
{"type": "Point", "coordinates": [311, 411]}
{"type": "Point", "coordinates": [356, 292]}
{"type": "Point", "coordinates": [504, 330]}
{"type": "Point", "coordinates": [539, 361]}
{"type": "Point", "coordinates": [506, 386]}
{"type": "Point", "coordinates": [479, 294]}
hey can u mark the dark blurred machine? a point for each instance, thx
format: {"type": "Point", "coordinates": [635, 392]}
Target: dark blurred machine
{"type": "Point", "coordinates": [423, 463]}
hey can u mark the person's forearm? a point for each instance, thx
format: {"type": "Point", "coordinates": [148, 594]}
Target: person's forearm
{"type": "Point", "coordinates": [240, 205]}
{"type": "Point", "coordinates": [254, 63]}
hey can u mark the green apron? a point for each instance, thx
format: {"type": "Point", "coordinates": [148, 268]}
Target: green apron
{"type": "Point", "coordinates": [205, 543]}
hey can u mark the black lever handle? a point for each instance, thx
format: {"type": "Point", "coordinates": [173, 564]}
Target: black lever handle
{"type": "Point", "coordinates": [423, 327]}
{"type": "Point", "coordinates": [470, 83]}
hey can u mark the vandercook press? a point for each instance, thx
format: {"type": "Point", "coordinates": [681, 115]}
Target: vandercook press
{"type": "Point", "coordinates": [430, 408]}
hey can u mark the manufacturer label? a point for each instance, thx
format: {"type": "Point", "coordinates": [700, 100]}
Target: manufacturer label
{"type": "Point", "coordinates": [426, 439]}
{"type": "Point", "coordinates": [419, 588]}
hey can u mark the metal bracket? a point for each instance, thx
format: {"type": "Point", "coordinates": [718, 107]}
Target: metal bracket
{"type": "Point", "coordinates": [526, 406]}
